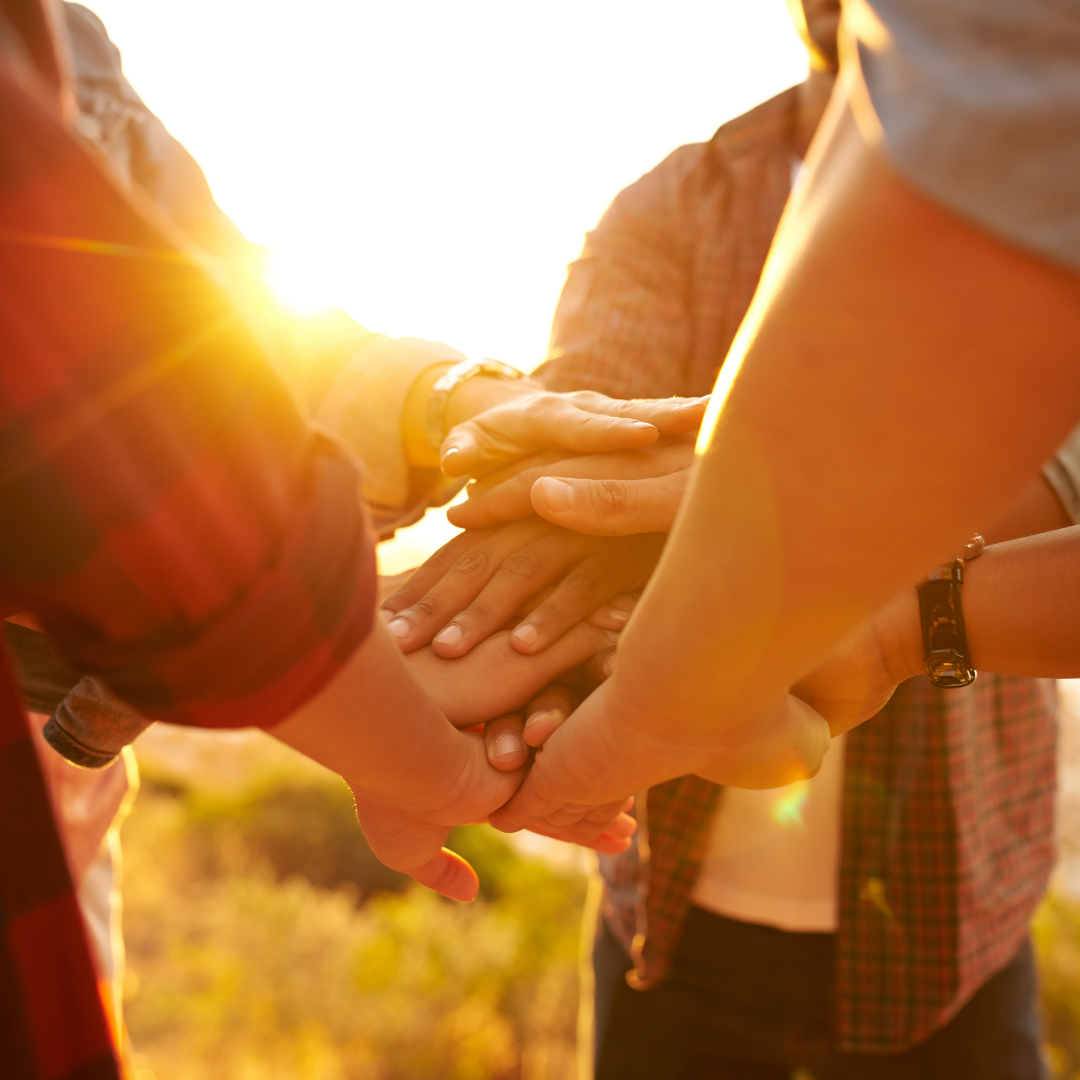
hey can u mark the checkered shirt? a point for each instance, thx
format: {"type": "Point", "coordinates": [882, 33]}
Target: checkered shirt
{"type": "Point", "coordinates": [166, 513]}
{"type": "Point", "coordinates": [947, 820]}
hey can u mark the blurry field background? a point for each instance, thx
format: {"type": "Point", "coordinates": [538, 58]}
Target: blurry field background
{"type": "Point", "coordinates": [265, 941]}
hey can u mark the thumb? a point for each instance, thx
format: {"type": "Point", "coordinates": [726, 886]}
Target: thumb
{"type": "Point", "coordinates": [610, 507]}
{"type": "Point", "coordinates": [449, 874]}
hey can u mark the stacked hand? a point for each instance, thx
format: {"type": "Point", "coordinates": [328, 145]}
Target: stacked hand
{"type": "Point", "coordinates": [512, 624]}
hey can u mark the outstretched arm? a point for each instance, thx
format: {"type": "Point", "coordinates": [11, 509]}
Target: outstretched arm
{"type": "Point", "coordinates": [898, 381]}
{"type": "Point", "coordinates": [1019, 612]}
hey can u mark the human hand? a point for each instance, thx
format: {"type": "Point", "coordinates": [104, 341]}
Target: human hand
{"type": "Point", "coordinates": [856, 681]}
{"type": "Point", "coordinates": [595, 758]}
{"type": "Point", "coordinates": [609, 494]}
{"type": "Point", "coordinates": [582, 422]}
{"type": "Point", "coordinates": [481, 579]}
{"type": "Point", "coordinates": [495, 679]}
{"type": "Point", "coordinates": [509, 738]}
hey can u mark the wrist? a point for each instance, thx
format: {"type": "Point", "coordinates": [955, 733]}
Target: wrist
{"type": "Point", "coordinates": [898, 635]}
{"type": "Point", "coordinates": [478, 395]}
{"type": "Point", "coordinates": [419, 454]}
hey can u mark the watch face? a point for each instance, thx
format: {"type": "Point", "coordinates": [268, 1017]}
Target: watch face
{"type": "Point", "coordinates": [949, 669]}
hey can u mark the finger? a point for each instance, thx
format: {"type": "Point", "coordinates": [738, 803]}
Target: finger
{"type": "Point", "coordinates": [506, 495]}
{"type": "Point", "coordinates": [617, 566]}
{"type": "Point", "coordinates": [551, 422]}
{"type": "Point", "coordinates": [670, 416]}
{"type": "Point", "coordinates": [506, 750]}
{"type": "Point", "coordinates": [460, 575]}
{"type": "Point", "coordinates": [611, 507]}
{"type": "Point", "coordinates": [613, 841]}
{"type": "Point", "coordinates": [432, 570]}
{"type": "Point", "coordinates": [579, 824]}
{"type": "Point", "coordinates": [541, 460]}
{"type": "Point", "coordinates": [520, 576]}
{"type": "Point", "coordinates": [547, 712]}
{"type": "Point", "coordinates": [600, 668]}
{"type": "Point", "coordinates": [449, 874]}
{"type": "Point", "coordinates": [614, 614]}
{"type": "Point", "coordinates": [510, 679]}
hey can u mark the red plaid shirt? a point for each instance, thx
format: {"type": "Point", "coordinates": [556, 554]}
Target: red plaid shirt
{"type": "Point", "coordinates": [948, 801]}
{"type": "Point", "coordinates": [167, 513]}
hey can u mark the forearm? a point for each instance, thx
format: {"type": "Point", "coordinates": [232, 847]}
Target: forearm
{"type": "Point", "coordinates": [820, 491]}
{"type": "Point", "coordinates": [1020, 611]}
{"type": "Point", "coordinates": [374, 722]}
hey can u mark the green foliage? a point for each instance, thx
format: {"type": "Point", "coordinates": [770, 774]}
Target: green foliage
{"type": "Point", "coordinates": [1056, 934]}
{"type": "Point", "coordinates": [263, 943]}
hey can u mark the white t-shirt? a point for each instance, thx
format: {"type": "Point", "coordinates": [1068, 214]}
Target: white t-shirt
{"type": "Point", "coordinates": [773, 855]}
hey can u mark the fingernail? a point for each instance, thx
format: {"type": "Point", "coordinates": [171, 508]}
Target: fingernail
{"type": "Point", "coordinates": [608, 666]}
{"type": "Point", "coordinates": [448, 457]}
{"type": "Point", "coordinates": [617, 614]}
{"type": "Point", "coordinates": [387, 616]}
{"type": "Point", "coordinates": [508, 743]}
{"type": "Point", "coordinates": [556, 716]}
{"type": "Point", "coordinates": [646, 427]}
{"type": "Point", "coordinates": [559, 496]}
{"type": "Point", "coordinates": [527, 634]}
{"type": "Point", "coordinates": [450, 636]}
{"type": "Point", "coordinates": [398, 628]}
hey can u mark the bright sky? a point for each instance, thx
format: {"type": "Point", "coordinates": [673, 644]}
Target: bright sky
{"type": "Point", "coordinates": [432, 165]}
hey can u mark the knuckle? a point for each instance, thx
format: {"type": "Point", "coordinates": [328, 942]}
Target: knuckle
{"type": "Point", "coordinates": [613, 497]}
{"type": "Point", "coordinates": [474, 563]}
{"type": "Point", "coordinates": [426, 606]}
{"type": "Point", "coordinates": [520, 566]}
{"type": "Point", "coordinates": [579, 585]}
{"type": "Point", "coordinates": [477, 616]}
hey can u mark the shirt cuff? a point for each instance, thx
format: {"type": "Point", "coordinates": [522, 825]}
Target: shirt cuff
{"type": "Point", "coordinates": [364, 408]}
{"type": "Point", "coordinates": [91, 726]}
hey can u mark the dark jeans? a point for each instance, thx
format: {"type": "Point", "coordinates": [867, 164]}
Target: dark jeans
{"type": "Point", "coordinates": [747, 1002]}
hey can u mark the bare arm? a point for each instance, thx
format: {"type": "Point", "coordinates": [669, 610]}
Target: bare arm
{"type": "Point", "coordinates": [898, 381]}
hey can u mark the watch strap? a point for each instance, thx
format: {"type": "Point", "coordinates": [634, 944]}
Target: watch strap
{"type": "Point", "coordinates": [941, 614]}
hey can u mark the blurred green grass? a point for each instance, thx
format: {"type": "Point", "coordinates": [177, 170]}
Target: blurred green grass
{"type": "Point", "coordinates": [266, 941]}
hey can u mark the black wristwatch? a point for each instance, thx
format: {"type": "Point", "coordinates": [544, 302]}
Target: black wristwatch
{"type": "Point", "coordinates": [941, 613]}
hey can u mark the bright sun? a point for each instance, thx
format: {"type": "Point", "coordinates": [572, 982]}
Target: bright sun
{"type": "Point", "coordinates": [302, 282]}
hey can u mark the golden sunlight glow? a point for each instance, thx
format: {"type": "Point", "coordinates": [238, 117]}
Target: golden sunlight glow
{"type": "Point", "coordinates": [433, 167]}
{"type": "Point", "coordinates": [304, 285]}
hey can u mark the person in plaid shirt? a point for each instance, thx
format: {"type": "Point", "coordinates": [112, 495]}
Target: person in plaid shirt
{"type": "Point", "coordinates": [903, 970]}
{"type": "Point", "coordinates": [181, 531]}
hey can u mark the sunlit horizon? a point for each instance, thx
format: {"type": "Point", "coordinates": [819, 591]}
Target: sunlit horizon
{"type": "Point", "coordinates": [432, 168]}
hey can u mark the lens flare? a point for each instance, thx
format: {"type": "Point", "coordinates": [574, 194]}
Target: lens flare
{"type": "Point", "coordinates": [787, 810]}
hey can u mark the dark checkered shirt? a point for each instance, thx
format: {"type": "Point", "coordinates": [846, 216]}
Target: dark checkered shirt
{"type": "Point", "coordinates": [165, 511]}
{"type": "Point", "coordinates": [947, 816]}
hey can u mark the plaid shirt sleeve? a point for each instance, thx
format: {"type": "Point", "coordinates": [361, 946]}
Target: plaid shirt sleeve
{"type": "Point", "coordinates": [624, 323]}
{"type": "Point", "coordinates": [168, 514]}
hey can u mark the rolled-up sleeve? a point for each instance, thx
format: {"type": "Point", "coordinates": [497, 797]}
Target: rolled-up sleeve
{"type": "Point", "coordinates": [166, 511]}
